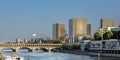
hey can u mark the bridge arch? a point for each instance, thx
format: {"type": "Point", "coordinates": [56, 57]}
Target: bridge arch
{"type": "Point", "coordinates": [56, 49]}
{"type": "Point", "coordinates": [41, 48]}
{"type": "Point", "coordinates": [29, 49]}
{"type": "Point", "coordinates": [8, 48]}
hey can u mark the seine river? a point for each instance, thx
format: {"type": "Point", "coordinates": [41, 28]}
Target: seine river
{"type": "Point", "coordinates": [55, 56]}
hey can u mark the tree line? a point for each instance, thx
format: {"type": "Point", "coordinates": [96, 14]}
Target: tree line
{"type": "Point", "coordinates": [107, 35]}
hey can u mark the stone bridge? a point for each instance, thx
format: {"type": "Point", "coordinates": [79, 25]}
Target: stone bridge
{"type": "Point", "coordinates": [31, 47]}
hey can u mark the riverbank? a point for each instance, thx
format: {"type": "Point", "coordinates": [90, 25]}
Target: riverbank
{"type": "Point", "coordinates": [78, 52]}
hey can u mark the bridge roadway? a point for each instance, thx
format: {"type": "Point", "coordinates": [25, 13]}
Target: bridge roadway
{"type": "Point", "coordinates": [31, 47]}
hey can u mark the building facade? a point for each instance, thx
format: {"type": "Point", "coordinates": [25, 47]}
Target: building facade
{"type": "Point", "coordinates": [108, 23]}
{"type": "Point", "coordinates": [111, 46]}
{"type": "Point", "coordinates": [77, 27]}
{"type": "Point", "coordinates": [89, 29]}
{"type": "Point", "coordinates": [58, 31]}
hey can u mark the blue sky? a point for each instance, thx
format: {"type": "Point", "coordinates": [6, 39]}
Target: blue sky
{"type": "Point", "coordinates": [22, 18]}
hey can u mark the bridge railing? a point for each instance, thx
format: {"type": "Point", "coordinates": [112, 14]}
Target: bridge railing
{"type": "Point", "coordinates": [31, 45]}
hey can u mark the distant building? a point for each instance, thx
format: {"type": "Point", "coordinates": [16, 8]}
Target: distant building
{"type": "Point", "coordinates": [77, 27]}
{"type": "Point", "coordinates": [18, 40]}
{"type": "Point", "coordinates": [58, 31]}
{"type": "Point", "coordinates": [108, 23]}
{"type": "Point", "coordinates": [89, 29]}
{"type": "Point", "coordinates": [72, 40]}
{"type": "Point", "coordinates": [38, 40]}
{"type": "Point", "coordinates": [113, 28]}
{"type": "Point", "coordinates": [108, 29]}
{"type": "Point", "coordinates": [102, 30]}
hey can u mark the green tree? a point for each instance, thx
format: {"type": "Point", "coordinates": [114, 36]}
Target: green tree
{"type": "Point", "coordinates": [115, 34]}
{"type": "Point", "coordinates": [74, 46]}
{"type": "Point", "coordinates": [119, 35]}
{"type": "Point", "coordinates": [97, 36]}
{"type": "Point", "coordinates": [67, 46]}
{"type": "Point", "coordinates": [58, 42]}
{"type": "Point", "coordinates": [87, 38]}
{"type": "Point", "coordinates": [108, 35]}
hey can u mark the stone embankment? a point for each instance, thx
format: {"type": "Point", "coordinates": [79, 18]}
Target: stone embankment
{"type": "Point", "coordinates": [90, 53]}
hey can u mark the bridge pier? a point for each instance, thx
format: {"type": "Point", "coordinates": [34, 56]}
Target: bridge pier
{"type": "Point", "coordinates": [49, 50]}
{"type": "Point", "coordinates": [15, 49]}
{"type": "Point", "coordinates": [32, 50]}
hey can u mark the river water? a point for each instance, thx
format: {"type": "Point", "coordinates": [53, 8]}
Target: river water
{"type": "Point", "coordinates": [55, 56]}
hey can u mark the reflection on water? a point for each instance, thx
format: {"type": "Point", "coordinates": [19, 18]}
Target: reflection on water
{"type": "Point", "coordinates": [51, 56]}
{"type": "Point", "coordinates": [56, 56]}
